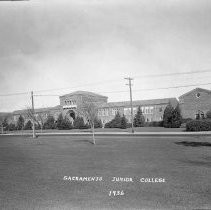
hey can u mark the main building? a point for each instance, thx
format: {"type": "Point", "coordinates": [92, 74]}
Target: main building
{"type": "Point", "coordinates": [192, 104]}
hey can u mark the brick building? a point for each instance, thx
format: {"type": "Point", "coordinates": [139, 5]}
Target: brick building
{"type": "Point", "coordinates": [192, 104]}
{"type": "Point", "coordinates": [71, 101]}
{"type": "Point", "coordinates": [152, 109]}
{"type": "Point", "coordinates": [195, 103]}
{"type": "Point", "coordinates": [40, 114]}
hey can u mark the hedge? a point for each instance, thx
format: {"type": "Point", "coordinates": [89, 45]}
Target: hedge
{"type": "Point", "coordinates": [198, 125]}
{"type": "Point", "coordinates": [154, 124]}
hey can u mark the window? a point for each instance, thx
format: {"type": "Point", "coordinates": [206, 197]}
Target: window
{"type": "Point", "coordinates": [99, 112]}
{"type": "Point", "coordinates": [106, 112]}
{"type": "Point", "coordinates": [115, 110]}
{"type": "Point", "coordinates": [197, 116]}
{"type": "Point", "coordinates": [198, 95]}
{"type": "Point", "coordinates": [151, 109]}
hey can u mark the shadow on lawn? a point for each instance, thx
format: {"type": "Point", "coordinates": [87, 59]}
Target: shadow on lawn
{"type": "Point", "coordinates": [193, 144]}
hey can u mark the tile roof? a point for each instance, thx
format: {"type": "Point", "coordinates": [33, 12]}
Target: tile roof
{"type": "Point", "coordinates": [196, 89]}
{"type": "Point", "coordinates": [84, 93]}
{"type": "Point", "coordinates": [140, 102]}
{"type": "Point", "coordinates": [55, 108]}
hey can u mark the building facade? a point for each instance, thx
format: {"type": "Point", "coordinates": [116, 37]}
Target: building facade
{"type": "Point", "coordinates": [152, 109]}
{"type": "Point", "coordinates": [195, 103]}
{"type": "Point", "coordinates": [192, 104]}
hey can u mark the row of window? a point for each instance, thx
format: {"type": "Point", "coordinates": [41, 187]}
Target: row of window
{"type": "Point", "coordinates": [127, 111]}
{"type": "Point", "coordinates": [70, 102]}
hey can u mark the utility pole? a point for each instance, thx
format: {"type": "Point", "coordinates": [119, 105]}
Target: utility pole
{"type": "Point", "coordinates": [131, 101]}
{"type": "Point", "coordinates": [33, 123]}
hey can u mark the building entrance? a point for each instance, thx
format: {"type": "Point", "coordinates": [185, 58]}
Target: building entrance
{"type": "Point", "coordinates": [72, 114]}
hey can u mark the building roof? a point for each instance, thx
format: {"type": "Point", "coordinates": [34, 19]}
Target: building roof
{"type": "Point", "coordinates": [84, 93]}
{"type": "Point", "coordinates": [196, 89]}
{"type": "Point", "coordinates": [3, 114]}
{"type": "Point", "coordinates": [173, 101]}
{"type": "Point", "coordinates": [39, 110]}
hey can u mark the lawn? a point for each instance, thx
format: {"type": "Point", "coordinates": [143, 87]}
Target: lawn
{"type": "Point", "coordinates": [32, 172]}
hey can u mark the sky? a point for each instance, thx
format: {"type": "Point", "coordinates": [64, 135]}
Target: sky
{"type": "Point", "coordinates": [68, 45]}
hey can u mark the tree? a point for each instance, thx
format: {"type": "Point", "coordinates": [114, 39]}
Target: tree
{"type": "Point", "coordinates": [79, 123]}
{"type": "Point", "coordinates": [11, 127]}
{"type": "Point", "coordinates": [20, 123]}
{"type": "Point", "coordinates": [117, 120]}
{"type": "Point", "coordinates": [88, 109]}
{"type": "Point", "coordinates": [5, 124]}
{"type": "Point", "coordinates": [1, 124]}
{"type": "Point", "coordinates": [50, 123]}
{"type": "Point", "coordinates": [176, 117]}
{"type": "Point", "coordinates": [168, 116]}
{"type": "Point", "coordinates": [28, 125]}
{"type": "Point", "coordinates": [139, 119]}
{"type": "Point", "coordinates": [66, 124]}
{"type": "Point", "coordinates": [30, 113]}
{"type": "Point", "coordinates": [59, 121]}
{"type": "Point", "coordinates": [114, 123]}
{"type": "Point", "coordinates": [98, 123]}
{"type": "Point", "coordinates": [123, 122]}
{"type": "Point", "coordinates": [40, 120]}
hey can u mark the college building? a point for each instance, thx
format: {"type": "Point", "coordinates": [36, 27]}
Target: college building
{"type": "Point", "coordinates": [192, 104]}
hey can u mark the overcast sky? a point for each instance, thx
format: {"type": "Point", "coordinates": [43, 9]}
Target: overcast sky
{"type": "Point", "coordinates": [92, 45]}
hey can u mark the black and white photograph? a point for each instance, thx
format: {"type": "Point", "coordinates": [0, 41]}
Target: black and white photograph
{"type": "Point", "coordinates": [105, 104]}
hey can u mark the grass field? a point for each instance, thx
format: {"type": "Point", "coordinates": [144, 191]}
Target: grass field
{"type": "Point", "coordinates": [32, 171]}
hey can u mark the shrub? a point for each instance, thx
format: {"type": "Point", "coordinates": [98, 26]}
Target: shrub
{"type": "Point", "coordinates": [50, 123]}
{"type": "Point", "coordinates": [115, 123]}
{"type": "Point", "coordinates": [59, 122]}
{"type": "Point", "coordinates": [79, 123]}
{"type": "Point", "coordinates": [172, 117]}
{"type": "Point", "coordinates": [154, 124]}
{"type": "Point", "coordinates": [5, 124]}
{"type": "Point", "coordinates": [186, 120]}
{"type": "Point", "coordinates": [11, 127]}
{"type": "Point", "coordinates": [167, 116]}
{"type": "Point", "coordinates": [198, 125]}
{"type": "Point", "coordinates": [97, 123]}
{"type": "Point", "coordinates": [123, 122]}
{"type": "Point", "coordinates": [37, 126]}
{"type": "Point", "coordinates": [20, 123]}
{"type": "Point", "coordinates": [139, 118]}
{"type": "Point", "coordinates": [176, 118]}
{"type": "Point", "coordinates": [28, 125]}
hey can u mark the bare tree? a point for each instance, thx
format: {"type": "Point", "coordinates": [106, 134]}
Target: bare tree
{"type": "Point", "coordinates": [1, 124]}
{"type": "Point", "coordinates": [38, 118]}
{"type": "Point", "coordinates": [41, 120]}
{"type": "Point", "coordinates": [88, 108]}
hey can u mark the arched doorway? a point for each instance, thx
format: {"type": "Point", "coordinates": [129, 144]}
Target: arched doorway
{"type": "Point", "coordinates": [72, 114]}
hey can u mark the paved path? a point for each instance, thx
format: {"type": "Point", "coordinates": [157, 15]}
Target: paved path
{"type": "Point", "coordinates": [202, 133]}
